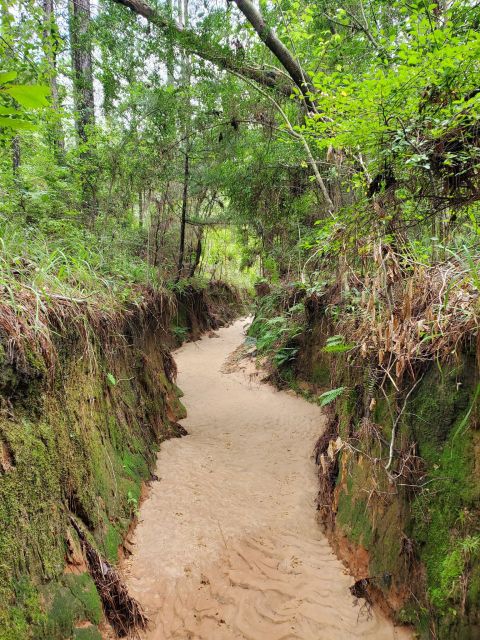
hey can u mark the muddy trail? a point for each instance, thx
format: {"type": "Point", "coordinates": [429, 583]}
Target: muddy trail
{"type": "Point", "coordinates": [227, 545]}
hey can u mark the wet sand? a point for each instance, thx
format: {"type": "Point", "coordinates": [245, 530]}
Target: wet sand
{"type": "Point", "coordinates": [227, 546]}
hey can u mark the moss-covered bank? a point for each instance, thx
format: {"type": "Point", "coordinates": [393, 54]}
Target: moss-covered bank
{"type": "Point", "coordinates": [410, 525]}
{"type": "Point", "coordinates": [78, 443]}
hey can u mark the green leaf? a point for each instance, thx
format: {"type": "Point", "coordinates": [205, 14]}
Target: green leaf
{"type": "Point", "coordinates": [336, 344]}
{"type": "Point", "coordinates": [15, 123]}
{"type": "Point", "coordinates": [29, 96]}
{"type": "Point", "coordinates": [7, 76]}
{"type": "Point", "coordinates": [330, 396]}
{"type": "Point", "coordinates": [111, 379]}
{"type": "Point", "coordinates": [338, 348]}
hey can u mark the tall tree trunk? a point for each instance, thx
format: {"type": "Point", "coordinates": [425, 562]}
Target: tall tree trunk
{"type": "Point", "coordinates": [185, 76]}
{"type": "Point", "coordinates": [83, 93]}
{"type": "Point", "coordinates": [81, 50]}
{"type": "Point", "coordinates": [51, 40]}
{"type": "Point", "coordinates": [170, 51]}
{"type": "Point", "coordinates": [140, 208]}
{"type": "Point", "coordinates": [183, 222]}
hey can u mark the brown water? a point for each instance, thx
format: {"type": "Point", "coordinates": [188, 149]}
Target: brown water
{"type": "Point", "coordinates": [228, 547]}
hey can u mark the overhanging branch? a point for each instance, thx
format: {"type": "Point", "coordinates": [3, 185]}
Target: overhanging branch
{"type": "Point", "coordinates": [219, 55]}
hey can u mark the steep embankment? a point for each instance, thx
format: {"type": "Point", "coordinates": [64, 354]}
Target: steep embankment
{"type": "Point", "coordinates": [87, 395]}
{"type": "Point", "coordinates": [398, 464]}
{"type": "Point", "coordinates": [228, 545]}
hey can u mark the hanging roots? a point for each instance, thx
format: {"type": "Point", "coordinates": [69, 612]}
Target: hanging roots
{"type": "Point", "coordinates": [170, 366]}
{"type": "Point", "coordinates": [122, 611]}
{"type": "Point", "coordinates": [359, 590]}
{"type": "Point", "coordinates": [327, 472]}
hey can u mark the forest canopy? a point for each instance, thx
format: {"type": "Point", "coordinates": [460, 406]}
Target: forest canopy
{"type": "Point", "coordinates": [134, 135]}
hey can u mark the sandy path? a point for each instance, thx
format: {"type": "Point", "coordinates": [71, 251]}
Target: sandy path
{"type": "Point", "coordinates": [227, 547]}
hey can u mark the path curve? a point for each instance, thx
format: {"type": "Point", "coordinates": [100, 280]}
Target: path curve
{"type": "Point", "coordinates": [227, 546]}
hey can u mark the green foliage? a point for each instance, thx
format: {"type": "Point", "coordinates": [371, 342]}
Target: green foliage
{"type": "Point", "coordinates": [180, 333]}
{"type": "Point", "coordinates": [330, 396]}
{"type": "Point", "coordinates": [111, 379]}
{"type": "Point", "coordinates": [15, 102]}
{"type": "Point", "coordinates": [336, 344]}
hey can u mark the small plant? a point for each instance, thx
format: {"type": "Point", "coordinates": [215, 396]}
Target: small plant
{"type": "Point", "coordinates": [111, 379]}
{"type": "Point", "coordinates": [336, 344]}
{"type": "Point", "coordinates": [180, 333]}
{"type": "Point", "coordinates": [132, 502]}
{"type": "Point", "coordinates": [284, 355]}
{"type": "Point", "coordinates": [329, 396]}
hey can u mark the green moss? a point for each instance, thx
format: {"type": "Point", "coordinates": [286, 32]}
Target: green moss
{"type": "Point", "coordinates": [17, 621]}
{"type": "Point", "coordinates": [111, 542]}
{"type": "Point", "coordinates": [442, 519]}
{"type": "Point", "coordinates": [446, 510]}
{"type": "Point", "coordinates": [87, 633]}
{"type": "Point", "coordinates": [83, 589]}
{"type": "Point", "coordinates": [73, 599]}
{"type": "Point", "coordinates": [135, 465]}
{"type": "Point", "coordinates": [88, 453]}
{"type": "Point", "coordinates": [388, 540]}
{"type": "Point", "coordinates": [321, 373]}
{"type": "Point", "coordinates": [353, 512]}
{"type": "Point", "coordinates": [178, 392]}
{"type": "Point", "coordinates": [474, 587]}
{"type": "Point", "coordinates": [441, 398]}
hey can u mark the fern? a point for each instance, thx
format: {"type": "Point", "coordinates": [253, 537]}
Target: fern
{"type": "Point", "coordinates": [336, 344]}
{"type": "Point", "coordinates": [330, 396]}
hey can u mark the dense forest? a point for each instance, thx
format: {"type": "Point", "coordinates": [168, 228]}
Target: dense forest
{"type": "Point", "coordinates": [164, 164]}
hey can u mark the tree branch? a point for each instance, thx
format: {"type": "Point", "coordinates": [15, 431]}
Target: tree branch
{"type": "Point", "coordinates": [220, 56]}
{"type": "Point", "coordinates": [279, 50]}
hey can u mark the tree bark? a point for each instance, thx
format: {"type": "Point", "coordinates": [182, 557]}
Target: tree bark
{"type": "Point", "coordinates": [15, 155]}
{"type": "Point", "coordinates": [220, 56]}
{"type": "Point", "coordinates": [81, 51]}
{"type": "Point", "coordinates": [183, 222]}
{"type": "Point", "coordinates": [83, 94]}
{"type": "Point", "coordinates": [198, 253]}
{"type": "Point", "coordinates": [140, 208]}
{"type": "Point", "coordinates": [170, 51]}
{"type": "Point", "coordinates": [50, 46]}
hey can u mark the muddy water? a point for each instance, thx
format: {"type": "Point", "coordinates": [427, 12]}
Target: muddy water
{"type": "Point", "coordinates": [228, 547]}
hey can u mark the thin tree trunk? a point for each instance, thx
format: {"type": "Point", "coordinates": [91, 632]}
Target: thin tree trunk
{"type": "Point", "coordinates": [15, 155]}
{"type": "Point", "coordinates": [170, 51]}
{"type": "Point", "coordinates": [50, 46]}
{"type": "Point", "coordinates": [183, 222]}
{"type": "Point", "coordinates": [198, 253]}
{"type": "Point", "coordinates": [140, 209]}
{"type": "Point", "coordinates": [183, 21]}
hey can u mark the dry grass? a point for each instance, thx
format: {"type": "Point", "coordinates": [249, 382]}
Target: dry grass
{"type": "Point", "coordinates": [33, 323]}
{"type": "Point", "coordinates": [407, 319]}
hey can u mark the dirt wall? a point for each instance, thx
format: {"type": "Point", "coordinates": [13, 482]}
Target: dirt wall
{"type": "Point", "coordinates": [77, 443]}
{"type": "Point", "coordinates": [409, 525]}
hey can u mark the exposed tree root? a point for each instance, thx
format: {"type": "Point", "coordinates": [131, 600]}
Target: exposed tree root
{"type": "Point", "coordinates": [123, 612]}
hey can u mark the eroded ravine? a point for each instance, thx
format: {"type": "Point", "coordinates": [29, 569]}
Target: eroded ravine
{"type": "Point", "coordinates": [227, 545]}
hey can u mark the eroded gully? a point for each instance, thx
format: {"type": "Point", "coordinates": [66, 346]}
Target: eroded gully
{"type": "Point", "coordinates": [228, 546]}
